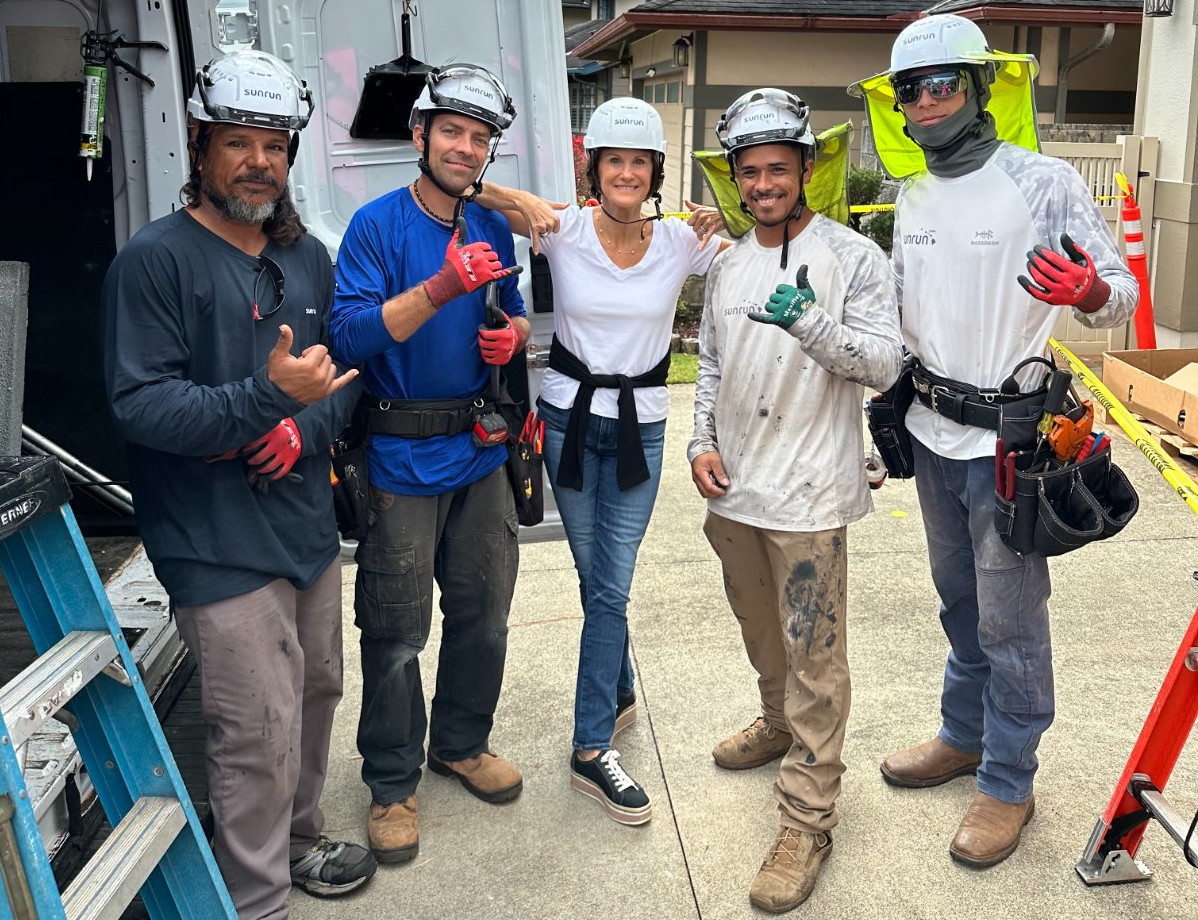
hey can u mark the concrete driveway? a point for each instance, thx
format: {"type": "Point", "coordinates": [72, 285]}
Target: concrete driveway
{"type": "Point", "coordinates": [1119, 610]}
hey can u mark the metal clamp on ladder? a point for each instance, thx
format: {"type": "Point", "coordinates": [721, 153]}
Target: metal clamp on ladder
{"type": "Point", "coordinates": [1110, 856]}
{"type": "Point", "coordinates": [157, 845]}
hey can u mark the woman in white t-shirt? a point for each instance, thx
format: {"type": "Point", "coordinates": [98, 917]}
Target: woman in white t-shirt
{"type": "Point", "coordinates": [616, 279]}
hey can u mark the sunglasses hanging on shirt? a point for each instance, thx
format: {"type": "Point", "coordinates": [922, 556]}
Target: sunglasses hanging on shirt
{"type": "Point", "coordinates": [268, 268]}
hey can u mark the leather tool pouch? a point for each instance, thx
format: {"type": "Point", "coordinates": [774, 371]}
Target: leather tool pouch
{"type": "Point", "coordinates": [885, 415]}
{"type": "Point", "coordinates": [1055, 506]}
{"type": "Point", "coordinates": [524, 464]}
{"type": "Point", "coordinates": [351, 482]}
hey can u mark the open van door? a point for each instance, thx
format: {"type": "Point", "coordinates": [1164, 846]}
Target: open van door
{"type": "Point", "coordinates": [67, 226]}
{"type": "Point", "coordinates": [364, 61]}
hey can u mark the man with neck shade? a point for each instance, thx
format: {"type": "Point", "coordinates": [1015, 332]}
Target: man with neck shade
{"type": "Point", "coordinates": [967, 234]}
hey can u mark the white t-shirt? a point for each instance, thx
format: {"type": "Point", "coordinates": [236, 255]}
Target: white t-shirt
{"type": "Point", "coordinates": [617, 321]}
{"type": "Point", "coordinates": [959, 246]}
{"type": "Point", "coordinates": [783, 407]}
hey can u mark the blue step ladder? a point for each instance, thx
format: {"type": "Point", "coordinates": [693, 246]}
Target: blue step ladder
{"type": "Point", "coordinates": [157, 846]}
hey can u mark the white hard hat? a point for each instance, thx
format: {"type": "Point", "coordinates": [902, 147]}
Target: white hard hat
{"type": "Point", "coordinates": [251, 88]}
{"type": "Point", "coordinates": [765, 116]}
{"type": "Point", "coordinates": [466, 89]}
{"type": "Point", "coordinates": [626, 123]}
{"type": "Point", "coordinates": [942, 39]}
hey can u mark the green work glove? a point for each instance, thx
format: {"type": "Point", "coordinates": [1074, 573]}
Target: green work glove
{"type": "Point", "coordinates": [787, 303]}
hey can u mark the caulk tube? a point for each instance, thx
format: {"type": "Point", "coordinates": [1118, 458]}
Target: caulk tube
{"type": "Point", "coordinates": [91, 135]}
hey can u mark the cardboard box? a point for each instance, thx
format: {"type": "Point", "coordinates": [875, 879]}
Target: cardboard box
{"type": "Point", "coordinates": [1138, 380]}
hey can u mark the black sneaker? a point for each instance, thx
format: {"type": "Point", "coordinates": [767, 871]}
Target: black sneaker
{"type": "Point", "coordinates": [605, 781]}
{"type": "Point", "coordinates": [331, 868]}
{"type": "Point", "coordinates": [625, 711]}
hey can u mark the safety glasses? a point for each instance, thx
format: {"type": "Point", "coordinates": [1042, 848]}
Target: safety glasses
{"type": "Point", "coordinates": [468, 72]}
{"type": "Point", "coordinates": [779, 99]}
{"type": "Point", "coordinates": [268, 268]}
{"type": "Point", "coordinates": [226, 113]}
{"type": "Point", "coordinates": [940, 85]}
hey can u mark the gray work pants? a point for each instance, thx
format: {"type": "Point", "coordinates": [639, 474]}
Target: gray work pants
{"type": "Point", "coordinates": [270, 672]}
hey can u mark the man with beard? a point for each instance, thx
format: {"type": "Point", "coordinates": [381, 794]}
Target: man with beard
{"type": "Point", "coordinates": [970, 317]}
{"type": "Point", "coordinates": [777, 450]}
{"type": "Point", "coordinates": [410, 308]}
{"type": "Point", "coordinates": [228, 418]}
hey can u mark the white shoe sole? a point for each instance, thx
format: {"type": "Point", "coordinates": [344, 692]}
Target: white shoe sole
{"type": "Point", "coordinates": [618, 813]}
{"type": "Point", "coordinates": [623, 720]}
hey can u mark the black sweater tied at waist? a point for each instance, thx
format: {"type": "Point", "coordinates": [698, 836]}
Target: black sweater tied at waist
{"type": "Point", "coordinates": [631, 469]}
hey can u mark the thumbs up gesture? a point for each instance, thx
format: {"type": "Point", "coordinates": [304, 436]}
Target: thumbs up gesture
{"type": "Point", "coordinates": [787, 303]}
{"type": "Point", "coordinates": [310, 377]}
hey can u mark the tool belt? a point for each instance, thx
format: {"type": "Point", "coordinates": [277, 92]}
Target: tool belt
{"type": "Point", "coordinates": [1046, 505]}
{"type": "Point", "coordinates": [422, 418]}
{"type": "Point", "coordinates": [966, 404]}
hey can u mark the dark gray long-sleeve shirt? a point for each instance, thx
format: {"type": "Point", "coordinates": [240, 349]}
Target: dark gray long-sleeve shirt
{"type": "Point", "coordinates": [185, 367]}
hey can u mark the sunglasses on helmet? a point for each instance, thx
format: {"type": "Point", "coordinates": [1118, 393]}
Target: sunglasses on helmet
{"type": "Point", "coordinates": [940, 85]}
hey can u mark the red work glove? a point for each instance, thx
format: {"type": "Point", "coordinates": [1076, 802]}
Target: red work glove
{"type": "Point", "coordinates": [1065, 282]}
{"type": "Point", "coordinates": [274, 454]}
{"type": "Point", "coordinates": [499, 346]}
{"type": "Point", "coordinates": [466, 269]}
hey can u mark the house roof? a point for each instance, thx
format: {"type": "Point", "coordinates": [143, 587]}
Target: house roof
{"type": "Point", "coordinates": [575, 36]}
{"type": "Point", "coordinates": [839, 15]}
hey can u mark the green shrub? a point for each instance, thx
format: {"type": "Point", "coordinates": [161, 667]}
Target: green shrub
{"type": "Point", "coordinates": [865, 187]}
{"type": "Point", "coordinates": [879, 227]}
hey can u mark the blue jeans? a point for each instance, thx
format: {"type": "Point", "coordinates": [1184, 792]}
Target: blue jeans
{"type": "Point", "coordinates": [605, 527]}
{"type": "Point", "coordinates": [998, 691]}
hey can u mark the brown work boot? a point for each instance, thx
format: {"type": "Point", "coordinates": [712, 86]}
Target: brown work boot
{"type": "Point", "coordinates": [753, 746]}
{"type": "Point", "coordinates": [487, 776]}
{"type": "Point", "coordinates": [787, 876]}
{"type": "Point", "coordinates": [928, 764]}
{"type": "Point", "coordinates": [394, 830]}
{"type": "Point", "coordinates": [990, 830]}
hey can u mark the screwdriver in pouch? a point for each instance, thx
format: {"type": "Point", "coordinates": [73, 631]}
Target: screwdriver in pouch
{"type": "Point", "coordinates": [1054, 403]}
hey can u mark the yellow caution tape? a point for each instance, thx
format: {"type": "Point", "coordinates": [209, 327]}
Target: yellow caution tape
{"type": "Point", "coordinates": [1149, 447]}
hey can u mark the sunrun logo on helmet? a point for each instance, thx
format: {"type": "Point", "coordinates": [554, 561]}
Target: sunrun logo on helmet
{"type": "Point", "coordinates": [638, 122]}
{"type": "Point", "coordinates": [479, 91]}
{"type": "Point", "coordinates": [262, 94]}
{"type": "Point", "coordinates": [917, 37]}
{"type": "Point", "coordinates": [754, 117]}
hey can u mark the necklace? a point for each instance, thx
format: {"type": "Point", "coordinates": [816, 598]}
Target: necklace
{"type": "Point", "coordinates": [427, 210]}
{"type": "Point", "coordinates": [612, 241]}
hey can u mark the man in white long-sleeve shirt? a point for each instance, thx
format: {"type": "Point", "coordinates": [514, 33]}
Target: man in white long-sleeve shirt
{"type": "Point", "coordinates": [967, 232]}
{"type": "Point", "coordinates": [777, 450]}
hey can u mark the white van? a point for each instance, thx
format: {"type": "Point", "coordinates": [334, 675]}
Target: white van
{"type": "Point", "coordinates": [362, 60]}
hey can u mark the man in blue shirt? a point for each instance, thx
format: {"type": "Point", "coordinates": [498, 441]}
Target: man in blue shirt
{"type": "Point", "coordinates": [410, 309]}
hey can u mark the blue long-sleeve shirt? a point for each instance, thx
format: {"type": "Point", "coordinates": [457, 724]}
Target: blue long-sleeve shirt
{"type": "Point", "coordinates": [391, 246]}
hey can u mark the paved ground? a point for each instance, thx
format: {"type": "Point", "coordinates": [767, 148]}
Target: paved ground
{"type": "Point", "coordinates": [1119, 610]}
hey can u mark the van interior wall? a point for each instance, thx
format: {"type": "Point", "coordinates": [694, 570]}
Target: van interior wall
{"type": "Point", "coordinates": [62, 225]}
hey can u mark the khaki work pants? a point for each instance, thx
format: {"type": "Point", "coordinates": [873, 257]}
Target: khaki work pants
{"type": "Point", "coordinates": [787, 590]}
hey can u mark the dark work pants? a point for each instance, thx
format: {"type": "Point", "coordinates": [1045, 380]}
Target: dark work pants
{"type": "Point", "coordinates": [466, 540]}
